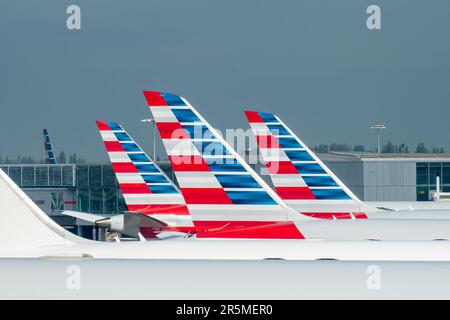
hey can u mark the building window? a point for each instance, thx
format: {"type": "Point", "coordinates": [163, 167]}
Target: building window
{"type": "Point", "coordinates": [95, 200]}
{"type": "Point", "coordinates": [15, 173]}
{"type": "Point", "coordinates": [67, 173]}
{"type": "Point", "coordinates": [55, 176]}
{"type": "Point", "coordinates": [435, 171]}
{"type": "Point", "coordinates": [82, 176]}
{"type": "Point", "coordinates": [423, 194]}
{"type": "Point", "coordinates": [95, 176]}
{"type": "Point", "coordinates": [28, 177]}
{"type": "Point", "coordinates": [57, 202]}
{"type": "Point", "coordinates": [109, 177]}
{"type": "Point", "coordinates": [83, 199]}
{"type": "Point", "coordinates": [42, 176]}
{"type": "Point", "coordinates": [446, 173]}
{"type": "Point", "coordinates": [110, 200]}
{"type": "Point", "coordinates": [422, 173]}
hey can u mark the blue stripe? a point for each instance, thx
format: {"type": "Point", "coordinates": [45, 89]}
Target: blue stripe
{"type": "Point", "coordinates": [143, 168]}
{"type": "Point", "coordinates": [250, 197]}
{"type": "Point", "coordinates": [308, 168]}
{"type": "Point", "coordinates": [138, 157]}
{"type": "Point", "coordinates": [298, 155]}
{"type": "Point", "coordinates": [210, 148]}
{"type": "Point", "coordinates": [289, 143]}
{"type": "Point", "coordinates": [278, 129]}
{"type": "Point", "coordinates": [330, 194]}
{"type": "Point", "coordinates": [267, 117]}
{"type": "Point", "coordinates": [320, 181]}
{"type": "Point", "coordinates": [237, 181]}
{"type": "Point", "coordinates": [115, 126]}
{"type": "Point", "coordinates": [198, 131]}
{"type": "Point", "coordinates": [172, 99]}
{"type": "Point", "coordinates": [130, 147]}
{"type": "Point", "coordinates": [122, 136]}
{"type": "Point", "coordinates": [163, 189]}
{"type": "Point", "coordinates": [154, 178]}
{"type": "Point", "coordinates": [224, 165]}
{"type": "Point", "coordinates": [185, 115]}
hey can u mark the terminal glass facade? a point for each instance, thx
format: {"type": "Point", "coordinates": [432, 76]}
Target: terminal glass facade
{"type": "Point", "coordinates": [426, 173]}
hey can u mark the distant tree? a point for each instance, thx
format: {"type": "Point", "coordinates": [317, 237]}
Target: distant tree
{"type": "Point", "coordinates": [322, 148]}
{"type": "Point", "coordinates": [421, 148]}
{"type": "Point", "coordinates": [388, 148]}
{"type": "Point", "coordinates": [359, 148]}
{"type": "Point", "coordinates": [61, 158]}
{"type": "Point", "coordinates": [437, 150]}
{"type": "Point", "coordinates": [340, 147]}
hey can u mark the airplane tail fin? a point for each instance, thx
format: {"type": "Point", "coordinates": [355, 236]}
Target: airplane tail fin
{"type": "Point", "coordinates": [300, 178]}
{"type": "Point", "coordinates": [219, 187]}
{"type": "Point", "coordinates": [145, 186]}
{"type": "Point", "coordinates": [49, 153]}
{"type": "Point", "coordinates": [23, 225]}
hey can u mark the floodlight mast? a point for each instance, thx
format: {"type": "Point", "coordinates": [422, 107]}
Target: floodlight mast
{"type": "Point", "coordinates": [378, 127]}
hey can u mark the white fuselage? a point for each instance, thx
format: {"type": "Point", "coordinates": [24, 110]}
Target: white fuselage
{"type": "Point", "coordinates": [245, 250]}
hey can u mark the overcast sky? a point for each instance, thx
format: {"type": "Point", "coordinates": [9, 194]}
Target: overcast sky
{"type": "Point", "coordinates": [314, 63]}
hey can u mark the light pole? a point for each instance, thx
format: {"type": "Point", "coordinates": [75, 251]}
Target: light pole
{"type": "Point", "coordinates": [379, 127]}
{"type": "Point", "coordinates": [154, 136]}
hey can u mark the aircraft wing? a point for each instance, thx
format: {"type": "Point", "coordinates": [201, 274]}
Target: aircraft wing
{"type": "Point", "coordinates": [84, 216]}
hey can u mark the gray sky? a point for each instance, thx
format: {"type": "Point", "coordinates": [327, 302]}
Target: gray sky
{"type": "Point", "coordinates": [314, 63]}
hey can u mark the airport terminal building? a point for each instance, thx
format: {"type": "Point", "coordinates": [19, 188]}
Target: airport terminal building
{"type": "Point", "coordinates": [93, 187]}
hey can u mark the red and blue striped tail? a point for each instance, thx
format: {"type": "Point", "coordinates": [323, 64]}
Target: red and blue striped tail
{"type": "Point", "coordinates": [219, 187]}
{"type": "Point", "coordinates": [49, 153]}
{"type": "Point", "coordinates": [145, 187]}
{"type": "Point", "coordinates": [300, 178]}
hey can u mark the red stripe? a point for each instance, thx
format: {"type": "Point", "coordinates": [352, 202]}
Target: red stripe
{"type": "Point", "coordinates": [335, 215]}
{"type": "Point", "coordinates": [103, 125]}
{"type": "Point", "coordinates": [113, 146]}
{"type": "Point", "coordinates": [70, 202]}
{"type": "Point", "coordinates": [247, 230]}
{"type": "Point", "coordinates": [154, 98]}
{"type": "Point", "coordinates": [171, 130]}
{"type": "Point", "coordinates": [134, 188]}
{"type": "Point", "coordinates": [188, 163]}
{"type": "Point", "coordinates": [253, 117]}
{"type": "Point", "coordinates": [281, 167]}
{"type": "Point", "coordinates": [178, 209]}
{"type": "Point", "coordinates": [294, 193]}
{"type": "Point", "coordinates": [124, 167]}
{"type": "Point", "coordinates": [205, 196]}
{"type": "Point", "coordinates": [267, 142]}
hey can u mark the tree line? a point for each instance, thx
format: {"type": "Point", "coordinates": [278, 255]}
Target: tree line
{"type": "Point", "coordinates": [387, 148]}
{"type": "Point", "coordinates": [61, 158]}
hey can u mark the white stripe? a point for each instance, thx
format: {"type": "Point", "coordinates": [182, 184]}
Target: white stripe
{"type": "Point", "coordinates": [287, 180]}
{"type": "Point", "coordinates": [118, 157]}
{"type": "Point", "coordinates": [237, 212]}
{"type": "Point", "coordinates": [197, 180]}
{"type": "Point", "coordinates": [260, 129]}
{"type": "Point", "coordinates": [154, 198]}
{"type": "Point", "coordinates": [180, 147]}
{"type": "Point", "coordinates": [129, 178]}
{"type": "Point", "coordinates": [108, 135]}
{"type": "Point", "coordinates": [163, 114]}
{"type": "Point", "coordinates": [273, 154]}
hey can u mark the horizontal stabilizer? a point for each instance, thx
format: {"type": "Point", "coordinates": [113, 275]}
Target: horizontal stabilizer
{"type": "Point", "coordinates": [83, 216]}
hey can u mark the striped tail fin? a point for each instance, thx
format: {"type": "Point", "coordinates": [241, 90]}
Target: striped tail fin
{"type": "Point", "coordinates": [145, 187]}
{"type": "Point", "coordinates": [49, 153]}
{"type": "Point", "coordinates": [221, 190]}
{"type": "Point", "coordinates": [300, 178]}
